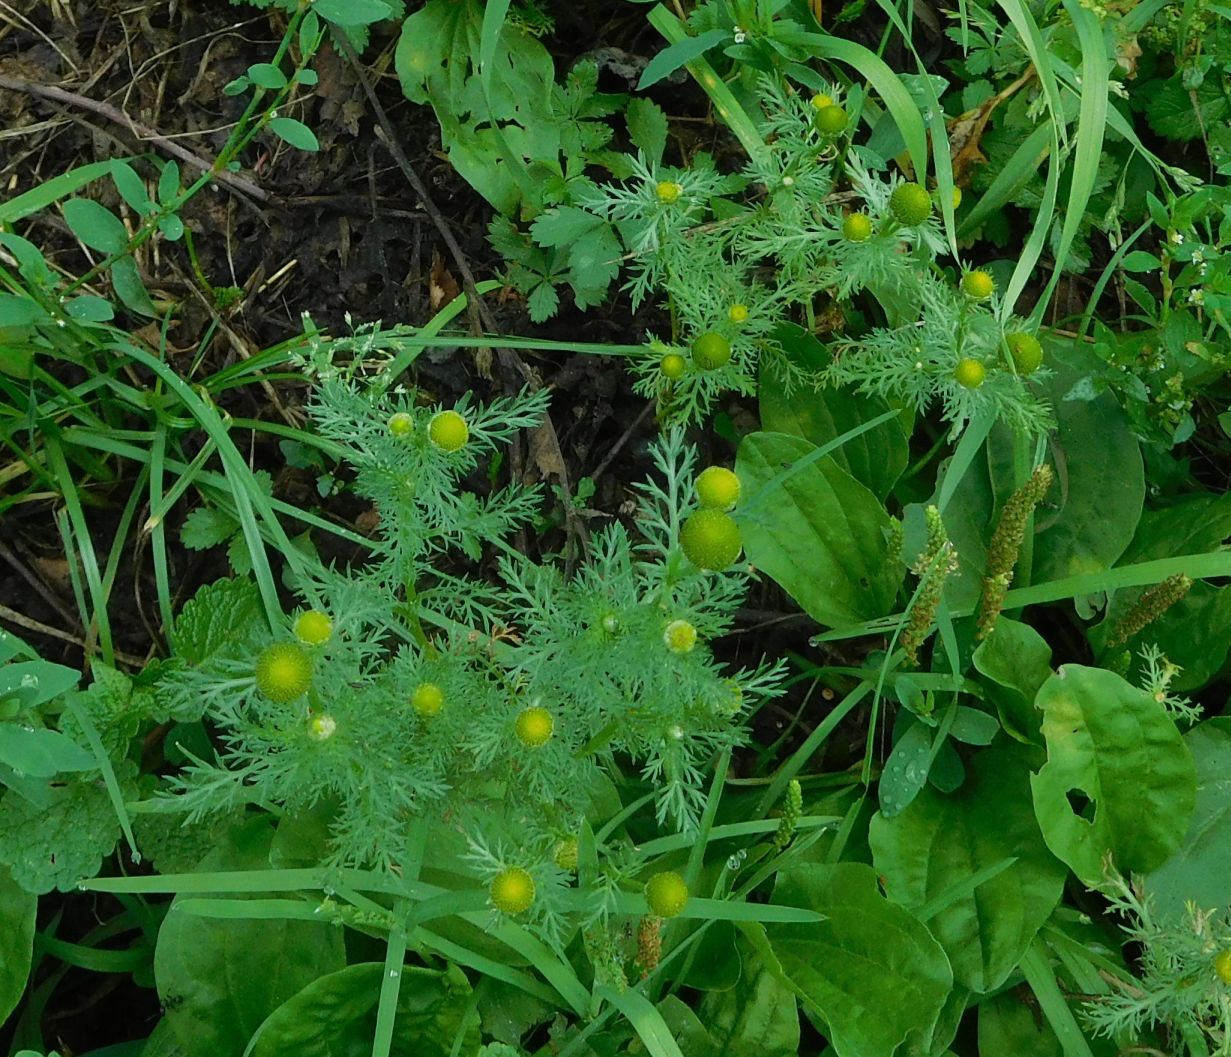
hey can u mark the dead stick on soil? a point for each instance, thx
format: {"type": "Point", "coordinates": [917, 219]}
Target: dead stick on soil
{"type": "Point", "coordinates": [111, 113]}
{"type": "Point", "coordinates": [30, 624]}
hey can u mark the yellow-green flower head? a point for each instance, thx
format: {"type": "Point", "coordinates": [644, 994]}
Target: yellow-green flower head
{"type": "Point", "coordinates": [322, 726]}
{"type": "Point", "coordinates": [512, 890]}
{"type": "Point", "coordinates": [969, 374]}
{"type": "Point", "coordinates": [313, 628]}
{"type": "Point", "coordinates": [830, 120]}
{"type": "Point", "coordinates": [1026, 352]}
{"type": "Point", "coordinates": [1222, 966]}
{"type": "Point", "coordinates": [736, 700]}
{"type": "Point", "coordinates": [673, 366]}
{"type": "Point", "coordinates": [401, 424]}
{"type": "Point", "coordinates": [910, 204]}
{"type": "Point", "coordinates": [710, 539]}
{"type": "Point", "coordinates": [737, 313]}
{"type": "Point", "coordinates": [667, 894]}
{"type": "Point", "coordinates": [668, 192]}
{"type": "Point", "coordinates": [711, 351]}
{"type": "Point", "coordinates": [978, 285]}
{"type": "Point", "coordinates": [680, 636]}
{"type": "Point", "coordinates": [718, 487]}
{"type": "Point", "coordinates": [534, 726]}
{"type": "Point", "coordinates": [448, 430]}
{"type": "Point", "coordinates": [820, 101]}
{"type": "Point", "coordinates": [283, 672]}
{"type": "Point", "coordinates": [857, 227]}
{"type": "Point", "coordinates": [428, 699]}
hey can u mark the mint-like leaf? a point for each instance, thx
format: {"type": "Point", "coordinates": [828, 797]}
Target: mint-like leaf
{"type": "Point", "coordinates": [61, 843]}
{"type": "Point", "coordinates": [207, 527]}
{"type": "Point", "coordinates": [563, 226]}
{"type": "Point", "coordinates": [543, 302]}
{"type": "Point", "coordinates": [218, 615]}
{"type": "Point", "coordinates": [647, 128]}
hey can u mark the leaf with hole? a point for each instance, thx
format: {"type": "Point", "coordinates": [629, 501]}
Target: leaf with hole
{"type": "Point", "coordinates": [1113, 746]}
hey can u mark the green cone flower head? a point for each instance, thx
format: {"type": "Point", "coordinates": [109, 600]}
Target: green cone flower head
{"type": "Point", "coordinates": [830, 120]}
{"type": "Point", "coordinates": [512, 890]}
{"type": "Point", "coordinates": [533, 726]}
{"type": "Point", "coordinates": [718, 488]}
{"type": "Point", "coordinates": [1222, 966]}
{"type": "Point", "coordinates": [401, 424]}
{"type": "Point", "coordinates": [283, 672]}
{"type": "Point", "coordinates": [321, 727]}
{"type": "Point", "coordinates": [680, 636]}
{"type": "Point", "coordinates": [969, 374]}
{"type": "Point", "coordinates": [910, 204]}
{"type": "Point", "coordinates": [313, 628]}
{"type": "Point", "coordinates": [857, 228]}
{"type": "Point", "coordinates": [673, 366]}
{"type": "Point", "coordinates": [667, 894]}
{"type": "Point", "coordinates": [428, 699]}
{"type": "Point", "coordinates": [448, 430]}
{"type": "Point", "coordinates": [668, 192]}
{"type": "Point", "coordinates": [711, 351]}
{"type": "Point", "coordinates": [710, 539]}
{"type": "Point", "coordinates": [1026, 352]}
{"type": "Point", "coordinates": [977, 285]}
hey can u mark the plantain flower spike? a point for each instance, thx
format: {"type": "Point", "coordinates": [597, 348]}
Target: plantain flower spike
{"type": "Point", "coordinates": [1006, 544]}
{"type": "Point", "coordinates": [1149, 607]}
{"type": "Point", "coordinates": [933, 567]}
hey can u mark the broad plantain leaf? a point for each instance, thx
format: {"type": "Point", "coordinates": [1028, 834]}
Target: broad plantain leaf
{"type": "Point", "coordinates": [220, 978]}
{"type": "Point", "coordinates": [1014, 661]}
{"type": "Point", "coordinates": [941, 841]}
{"type": "Point", "coordinates": [875, 459]}
{"type": "Point", "coordinates": [1116, 746]}
{"type": "Point", "coordinates": [334, 1016]}
{"type": "Point", "coordinates": [817, 531]}
{"type": "Point", "coordinates": [1088, 519]}
{"type": "Point", "coordinates": [870, 974]}
{"type": "Point", "coordinates": [1201, 869]}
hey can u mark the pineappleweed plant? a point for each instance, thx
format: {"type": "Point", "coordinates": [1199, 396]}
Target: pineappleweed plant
{"type": "Point", "coordinates": [413, 690]}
